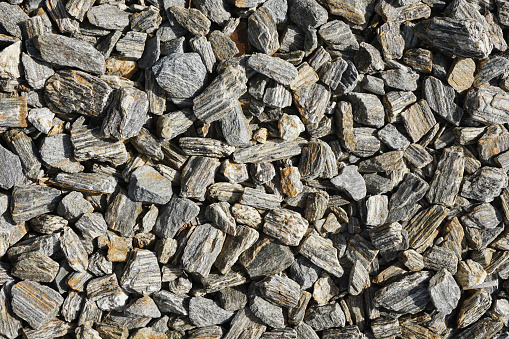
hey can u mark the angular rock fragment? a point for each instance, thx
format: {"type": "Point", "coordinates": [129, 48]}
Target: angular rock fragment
{"type": "Point", "coordinates": [482, 216]}
{"type": "Point", "coordinates": [191, 19]}
{"type": "Point", "coordinates": [73, 206]}
{"type": "Point", "coordinates": [408, 295]}
{"type": "Point", "coordinates": [30, 201]}
{"type": "Point", "coordinates": [473, 308]}
{"type": "Point", "coordinates": [63, 51]}
{"type": "Point", "coordinates": [141, 273]}
{"type": "Point", "coordinates": [311, 101]}
{"type": "Point", "coordinates": [448, 177]}
{"type": "Point", "coordinates": [35, 266]}
{"type": "Point", "coordinates": [254, 259]}
{"type": "Point", "coordinates": [269, 313]}
{"type": "Point", "coordinates": [393, 44]}
{"type": "Point", "coordinates": [89, 144]}
{"type": "Point", "coordinates": [486, 105]}
{"type": "Point", "coordinates": [486, 184]}
{"type": "Point", "coordinates": [461, 74]}
{"type": "Point", "coordinates": [494, 141]}
{"type": "Point", "coordinates": [11, 172]}
{"type": "Point", "coordinates": [126, 114]}
{"type": "Point", "coordinates": [205, 312]}
{"type": "Point", "coordinates": [39, 311]}
{"type": "Point", "coordinates": [219, 213]}
{"type": "Point", "coordinates": [423, 225]}
{"type": "Point", "coordinates": [121, 214]}
{"type": "Point", "coordinates": [441, 100]}
{"type": "Point", "coordinates": [418, 120]}
{"type": "Point", "coordinates": [56, 152]}
{"type": "Point", "coordinates": [197, 175]}
{"type": "Point", "coordinates": [368, 109]}
{"type": "Point", "coordinates": [182, 75]}
{"type": "Point", "coordinates": [74, 250]}
{"type": "Point", "coordinates": [359, 278]}
{"type": "Point", "coordinates": [92, 225]}
{"type": "Point", "coordinates": [86, 182]}
{"type": "Point", "coordinates": [131, 48]}
{"type": "Point", "coordinates": [175, 214]}
{"type": "Point", "coordinates": [10, 61]}
{"type": "Point", "coordinates": [106, 292]}
{"type": "Point", "coordinates": [444, 33]}
{"type": "Point", "coordinates": [470, 274]}
{"type": "Point", "coordinates": [108, 16]}
{"type": "Point", "coordinates": [351, 182]}
{"type": "Point", "coordinates": [202, 249]}
{"type": "Point", "coordinates": [146, 21]}
{"type": "Point", "coordinates": [324, 317]}
{"type": "Point", "coordinates": [321, 253]}
{"type": "Point", "coordinates": [410, 191]}
{"type": "Point", "coordinates": [147, 185]}
{"type": "Point", "coordinates": [285, 225]}
{"type": "Point", "coordinates": [272, 67]}
{"type": "Point", "coordinates": [13, 112]}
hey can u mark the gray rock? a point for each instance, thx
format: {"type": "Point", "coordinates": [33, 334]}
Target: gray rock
{"type": "Point", "coordinates": [73, 206]}
{"type": "Point", "coordinates": [57, 152]}
{"type": "Point", "coordinates": [322, 317]}
{"type": "Point", "coordinates": [307, 13]}
{"type": "Point", "coordinates": [36, 311]}
{"type": "Point", "coordinates": [11, 18]}
{"type": "Point", "coordinates": [182, 75]}
{"type": "Point", "coordinates": [36, 71]}
{"type": "Point", "coordinates": [175, 214]}
{"type": "Point", "coordinates": [147, 185]}
{"type": "Point", "coordinates": [92, 225]}
{"type": "Point", "coordinates": [351, 182]}
{"type": "Point", "coordinates": [141, 273]}
{"type": "Point", "coordinates": [206, 312]}
{"type": "Point", "coordinates": [171, 302]}
{"type": "Point", "coordinates": [11, 171]}
{"type": "Point", "coordinates": [108, 16]}
{"type": "Point", "coordinates": [127, 114]}
{"type": "Point", "coordinates": [41, 119]}
{"type": "Point", "coordinates": [304, 272]}
{"type": "Point", "coordinates": [63, 51]}
{"type": "Point", "coordinates": [444, 291]}
{"type": "Point", "coordinates": [267, 312]}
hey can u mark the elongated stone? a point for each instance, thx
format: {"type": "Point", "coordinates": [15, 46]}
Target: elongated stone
{"type": "Point", "coordinates": [31, 201]}
{"type": "Point", "coordinates": [408, 295]}
{"type": "Point", "coordinates": [272, 67]}
{"type": "Point", "coordinates": [448, 177]}
{"type": "Point", "coordinates": [63, 51]}
{"type": "Point", "coordinates": [202, 249]}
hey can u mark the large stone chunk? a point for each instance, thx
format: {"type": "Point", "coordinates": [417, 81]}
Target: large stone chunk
{"type": "Point", "coordinates": [205, 312]}
{"type": "Point", "coordinates": [147, 185]}
{"type": "Point", "coordinates": [351, 182]}
{"type": "Point", "coordinates": [202, 249]}
{"type": "Point", "coordinates": [63, 51]}
{"type": "Point", "coordinates": [444, 291]}
{"type": "Point", "coordinates": [182, 75]}
{"type": "Point", "coordinates": [141, 273]}
{"type": "Point", "coordinates": [464, 38]}
{"type": "Point", "coordinates": [127, 114]}
{"type": "Point", "coordinates": [11, 171]}
{"type": "Point", "coordinates": [175, 214]}
{"type": "Point", "coordinates": [35, 303]}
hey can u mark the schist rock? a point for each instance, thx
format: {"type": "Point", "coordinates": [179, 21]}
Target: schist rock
{"type": "Point", "coordinates": [254, 169]}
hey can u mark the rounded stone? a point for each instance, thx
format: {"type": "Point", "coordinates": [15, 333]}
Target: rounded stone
{"type": "Point", "coordinates": [182, 75]}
